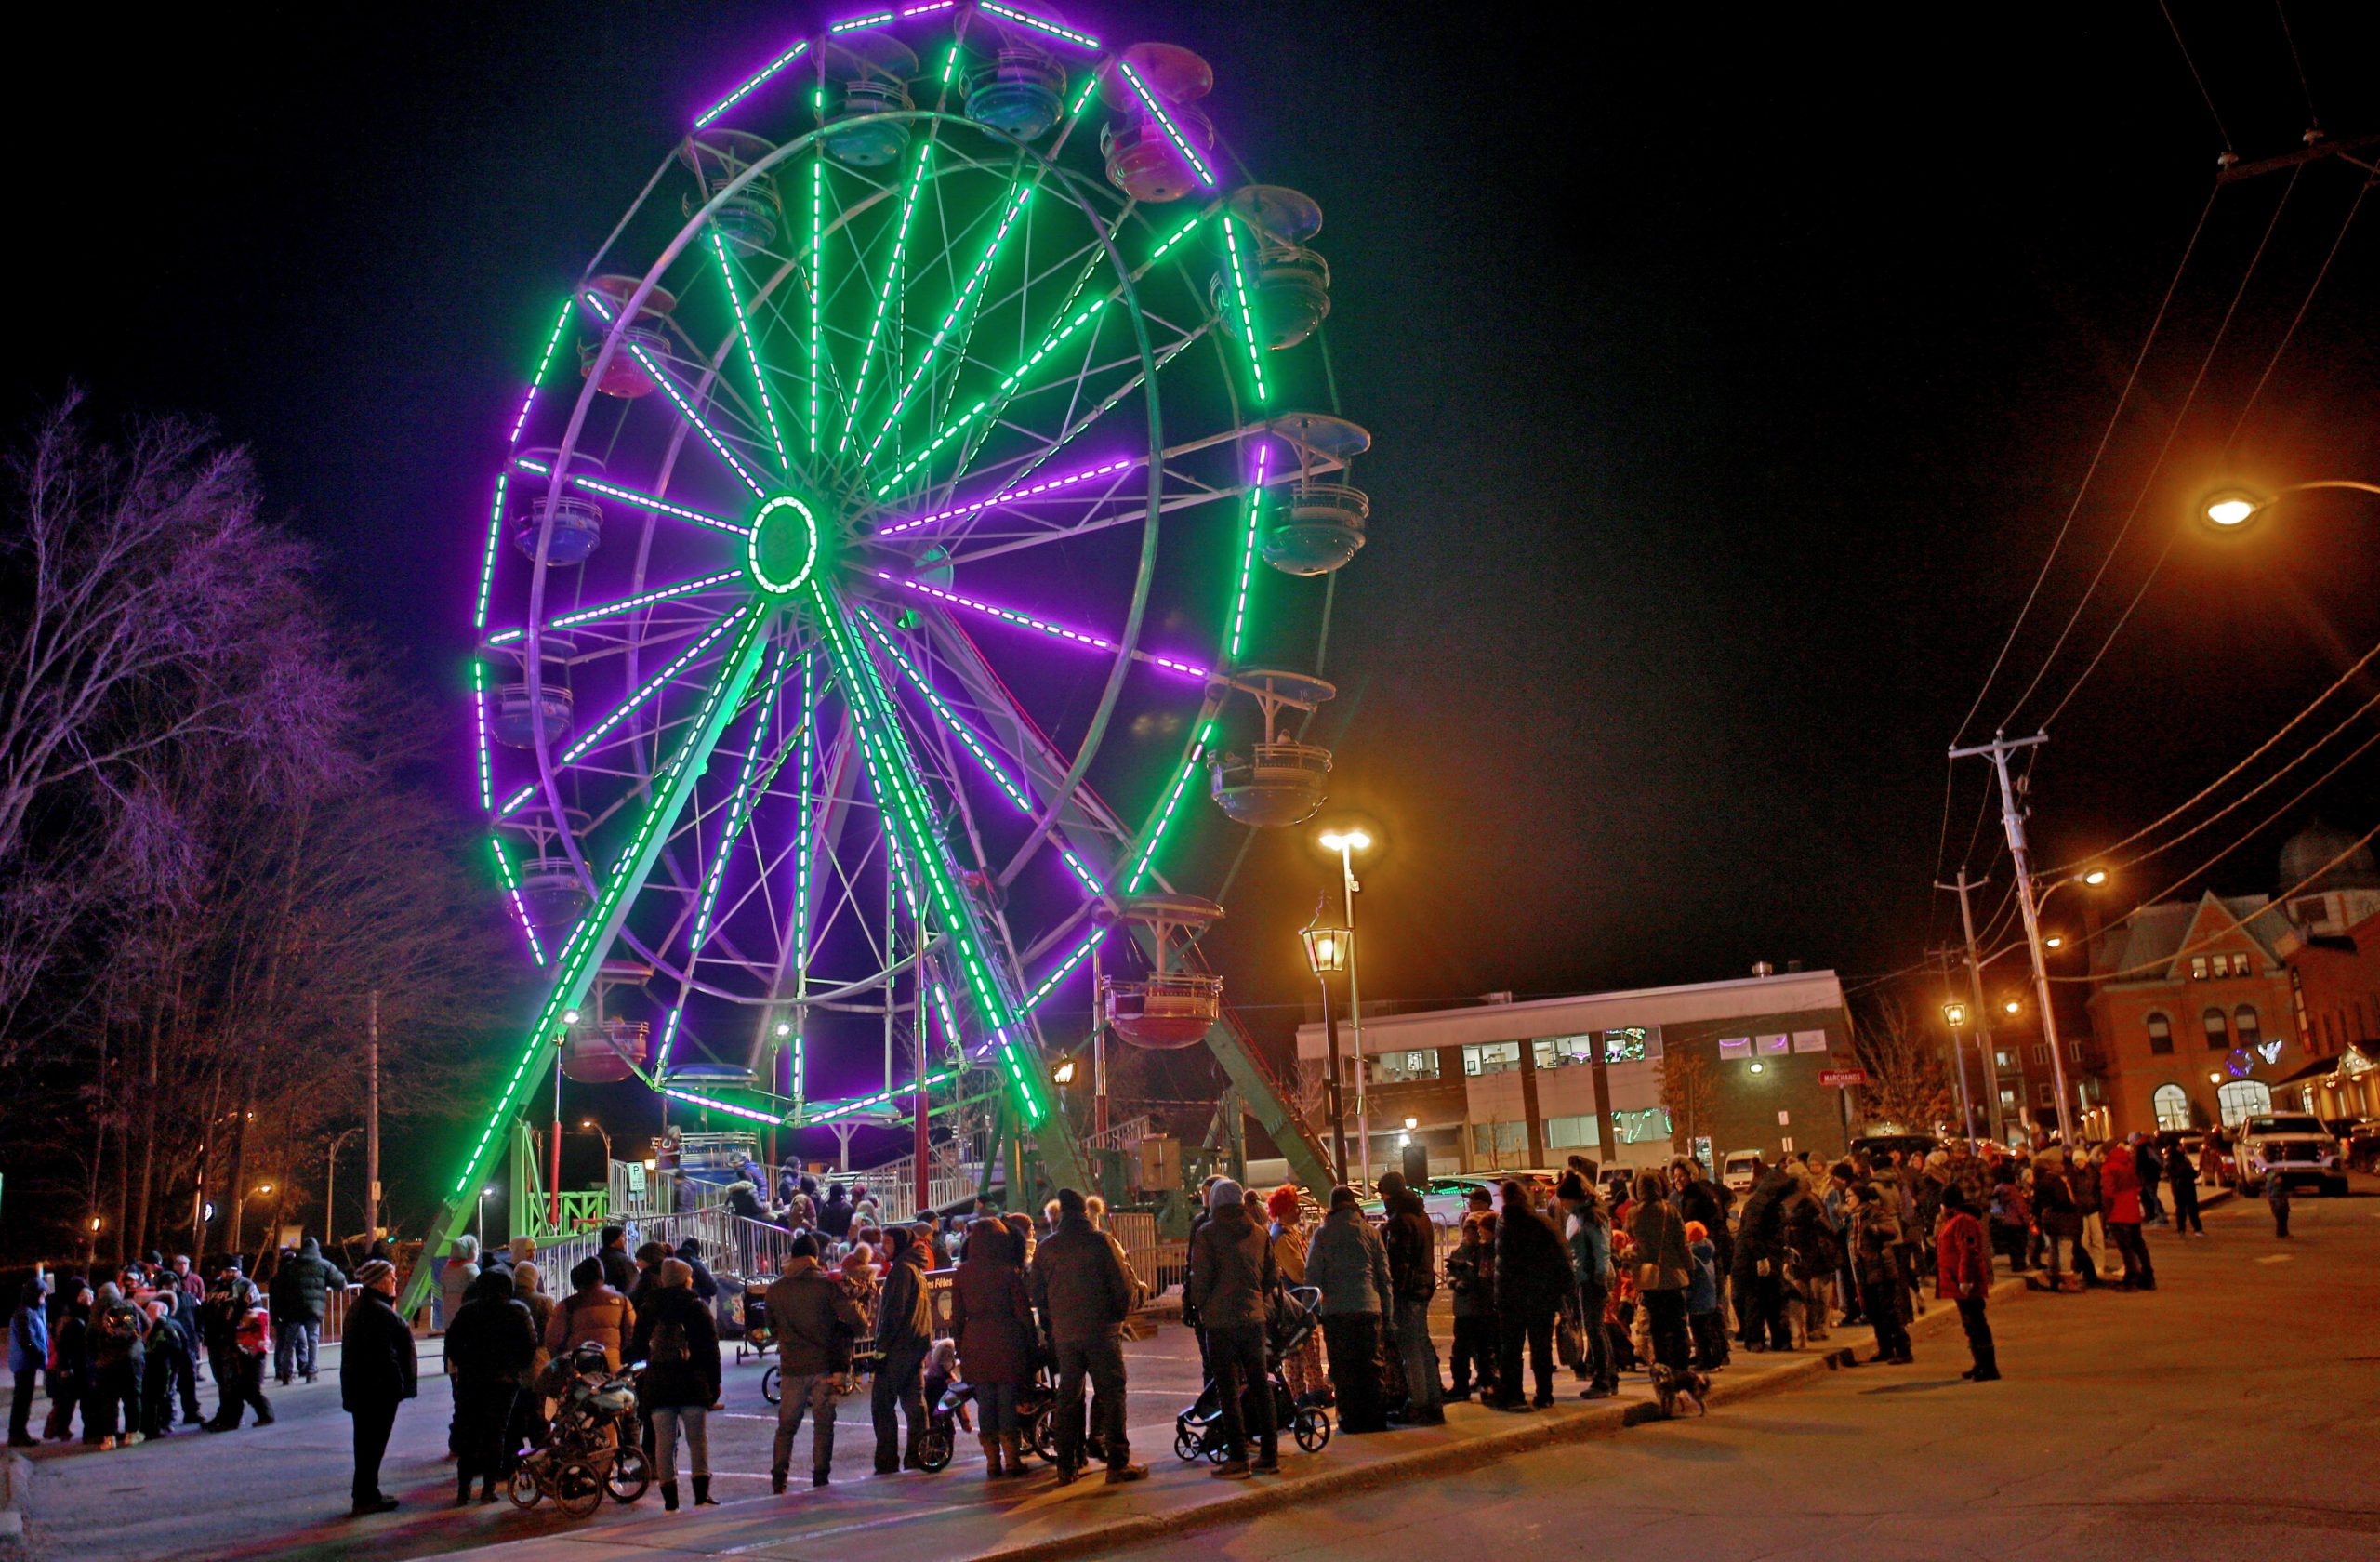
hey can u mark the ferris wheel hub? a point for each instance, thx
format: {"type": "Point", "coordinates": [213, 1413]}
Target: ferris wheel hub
{"type": "Point", "coordinates": [784, 552]}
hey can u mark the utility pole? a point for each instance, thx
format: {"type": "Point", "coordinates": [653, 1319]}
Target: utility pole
{"type": "Point", "coordinates": [2012, 819]}
{"type": "Point", "coordinates": [1958, 1053]}
{"type": "Point", "coordinates": [371, 1119]}
{"type": "Point", "coordinates": [1982, 1025]}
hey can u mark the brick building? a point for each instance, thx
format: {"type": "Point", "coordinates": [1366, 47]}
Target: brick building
{"type": "Point", "coordinates": [1498, 1085]}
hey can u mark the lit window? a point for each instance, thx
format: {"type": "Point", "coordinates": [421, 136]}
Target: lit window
{"type": "Point", "coordinates": [2161, 1033]}
{"type": "Point", "coordinates": [2007, 1096]}
{"type": "Point", "coordinates": [1649, 1126]}
{"type": "Point", "coordinates": [1494, 1057]}
{"type": "Point", "coordinates": [2241, 1097]}
{"type": "Point", "coordinates": [2002, 1058]}
{"type": "Point", "coordinates": [1562, 1052]}
{"type": "Point", "coordinates": [2218, 1031]}
{"type": "Point", "coordinates": [1388, 1068]}
{"type": "Point", "coordinates": [1570, 1134]}
{"type": "Point", "coordinates": [2198, 968]}
{"type": "Point", "coordinates": [1632, 1044]}
{"type": "Point", "coordinates": [1490, 1140]}
{"type": "Point", "coordinates": [2173, 1106]}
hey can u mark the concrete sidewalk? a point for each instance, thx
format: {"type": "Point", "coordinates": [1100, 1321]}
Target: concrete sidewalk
{"type": "Point", "coordinates": [959, 1515]}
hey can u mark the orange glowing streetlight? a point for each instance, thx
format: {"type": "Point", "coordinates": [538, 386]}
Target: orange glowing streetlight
{"type": "Point", "coordinates": [2235, 509]}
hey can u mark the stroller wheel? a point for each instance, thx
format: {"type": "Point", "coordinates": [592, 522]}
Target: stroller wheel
{"type": "Point", "coordinates": [521, 1487]}
{"type": "Point", "coordinates": [1312, 1429]}
{"type": "Point", "coordinates": [1041, 1435]}
{"type": "Point", "coordinates": [933, 1448]}
{"type": "Point", "coordinates": [628, 1474]}
{"type": "Point", "coordinates": [769, 1385]}
{"type": "Point", "coordinates": [1186, 1442]}
{"type": "Point", "coordinates": [579, 1490]}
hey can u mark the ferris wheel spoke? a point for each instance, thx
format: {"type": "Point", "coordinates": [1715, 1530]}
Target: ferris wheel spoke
{"type": "Point", "coordinates": [669, 387]}
{"type": "Point", "coordinates": [751, 349]}
{"type": "Point", "coordinates": [1011, 616]}
{"type": "Point", "coordinates": [626, 604]}
{"type": "Point", "coordinates": [884, 296]}
{"type": "Point", "coordinates": [675, 669]}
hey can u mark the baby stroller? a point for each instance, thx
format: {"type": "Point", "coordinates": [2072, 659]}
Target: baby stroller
{"type": "Point", "coordinates": [592, 1446]}
{"type": "Point", "coordinates": [1199, 1431]}
{"type": "Point", "coordinates": [1037, 1422]}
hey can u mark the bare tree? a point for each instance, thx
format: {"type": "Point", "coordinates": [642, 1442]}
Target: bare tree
{"type": "Point", "coordinates": [1907, 1084]}
{"type": "Point", "coordinates": [1686, 1091]}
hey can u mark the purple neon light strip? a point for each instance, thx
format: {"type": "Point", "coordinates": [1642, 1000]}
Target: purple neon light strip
{"type": "Point", "coordinates": [630, 604]}
{"type": "Point", "coordinates": [1026, 621]}
{"type": "Point", "coordinates": [678, 398]}
{"type": "Point", "coordinates": [1007, 495]}
{"type": "Point", "coordinates": [512, 891]}
{"type": "Point", "coordinates": [478, 716]}
{"type": "Point", "coordinates": [513, 804]}
{"type": "Point", "coordinates": [854, 24]}
{"type": "Point", "coordinates": [650, 687]}
{"type": "Point", "coordinates": [659, 507]}
{"type": "Point", "coordinates": [1042, 24]}
{"type": "Point", "coordinates": [668, 1036]}
{"type": "Point", "coordinates": [521, 420]}
{"type": "Point", "coordinates": [1140, 86]}
{"type": "Point", "coordinates": [751, 84]}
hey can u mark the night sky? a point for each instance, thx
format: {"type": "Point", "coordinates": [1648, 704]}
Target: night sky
{"type": "Point", "coordinates": [1731, 370]}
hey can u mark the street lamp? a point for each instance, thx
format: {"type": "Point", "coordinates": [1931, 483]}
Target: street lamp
{"type": "Point", "coordinates": [2234, 509]}
{"type": "Point", "coordinates": [1954, 1015]}
{"type": "Point", "coordinates": [479, 1226]}
{"type": "Point", "coordinates": [1347, 842]}
{"type": "Point", "coordinates": [2032, 906]}
{"type": "Point", "coordinates": [1328, 946]}
{"type": "Point", "coordinates": [588, 1125]}
{"type": "Point", "coordinates": [1064, 1073]}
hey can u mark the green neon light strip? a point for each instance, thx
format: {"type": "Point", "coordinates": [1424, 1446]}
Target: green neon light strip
{"type": "Point", "coordinates": [891, 770]}
{"type": "Point", "coordinates": [603, 311]}
{"type": "Point", "coordinates": [728, 1106]}
{"type": "Point", "coordinates": [577, 960]}
{"type": "Point", "coordinates": [817, 289]}
{"type": "Point", "coordinates": [545, 362]}
{"type": "Point", "coordinates": [950, 64]}
{"type": "Point", "coordinates": [1246, 559]}
{"type": "Point", "coordinates": [968, 291]}
{"type": "Point", "coordinates": [752, 351]}
{"type": "Point", "coordinates": [739, 812]}
{"type": "Point", "coordinates": [649, 688]}
{"type": "Point", "coordinates": [513, 804]}
{"type": "Point", "coordinates": [1000, 394]}
{"type": "Point", "coordinates": [1066, 968]}
{"type": "Point", "coordinates": [1141, 864]}
{"type": "Point", "coordinates": [806, 791]}
{"type": "Point", "coordinates": [958, 729]}
{"type": "Point", "coordinates": [881, 1098]}
{"type": "Point", "coordinates": [1244, 298]}
{"type": "Point", "coordinates": [487, 558]}
{"type": "Point", "coordinates": [630, 604]}
{"type": "Point", "coordinates": [1082, 96]}
{"type": "Point", "coordinates": [884, 295]}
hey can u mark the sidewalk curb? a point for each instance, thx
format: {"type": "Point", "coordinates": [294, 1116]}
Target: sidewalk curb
{"type": "Point", "coordinates": [15, 1479]}
{"type": "Point", "coordinates": [1538, 1433]}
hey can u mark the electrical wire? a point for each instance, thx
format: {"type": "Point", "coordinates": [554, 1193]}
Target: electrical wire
{"type": "Point", "coordinates": [2313, 119]}
{"type": "Point", "coordinates": [2173, 431]}
{"type": "Point", "coordinates": [2208, 98]}
{"type": "Point", "coordinates": [2294, 320]}
{"type": "Point", "coordinates": [2124, 398]}
{"type": "Point", "coordinates": [2092, 665]}
{"type": "Point", "coordinates": [2193, 800]}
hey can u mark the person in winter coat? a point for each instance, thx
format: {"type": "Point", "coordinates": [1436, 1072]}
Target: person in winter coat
{"type": "Point", "coordinates": [677, 1340]}
{"type": "Point", "coordinates": [2149, 1170]}
{"type": "Point", "coordinates": [815, 1321]}
{"type": "Point", "coordinates": [1232, 1280]}
{"type": "Point", "coordinates": [2012, 1219]}
{"type": "Point", "coordinates": [529, 1285]}
{"type": "Point", "coordinates": [1704, 1324]}
{"type": "Point", "coordinates": [2119, 1203]}
{"type": "Point", "coordinates": [706, 1286]}
{"type": "Point", "coordinates": [903, 1335]}
{"type": "Point", "coordinates": [28, 1355]}
{"type": "Point", "coordinates": [69, 1358]}
{"type": "Point", "coordinates": [834, 1215]}
{"type": "Point", "coordinates": [301, 1298]}
{"type": "Point", "coordinates": [1346, 1263]}
{"type": "Point", "coordinates": [236, 1330]}
{"type": "Point", "coordinates": [1411, 1242]}
{"type": "Point", "coordinates": [1300, 1369]}
{"type": "Point", "coordinates": [1080, 1289]}
{"type": "Point", "coordinates": [2054, 1213]}
{"type": "Point", "coordinates": [1586, 1234]}
{"type": "Point", "coordinates": [744, 1200]}
{"type": "Point", "coordinates": [1664, 1268]}
{"type": "Point", "coordinates": [1470, 1276]}
{"type": "Point", "coordinates": [490, 1346]}
{"type": "Point", "coordinates": [592, 1311]}
{"type": "Point", "coordinates": [112, 1387]}
{"type": "Point", "coordinates": [2090, 1203]}
{"type": "Point", "coordinates": [378, 1372]}
{"type": "Point", "coordinates": [1758, 1279]}
{"type": "Point", "coordinates": [1875, 1264]}
{"type": "Point", "coordinates": [167, 1356]}
{"type": "Point", "coordinates": [2181, 1181]}
{"type": "Point", "coordinates": [1533, 1271]}
{"type": "Point", "coordinates": [454, 1277]}
{"type": "Point", "coordinates": [1963, 1275]}
{"type": "Point", "coordinates": [1695, 1198]}
{"type": "Point", "coordinates": [1814, 1251]}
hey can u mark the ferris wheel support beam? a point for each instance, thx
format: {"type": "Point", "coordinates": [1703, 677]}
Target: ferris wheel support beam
{"type": "Point", "coordinates": [576, 964]}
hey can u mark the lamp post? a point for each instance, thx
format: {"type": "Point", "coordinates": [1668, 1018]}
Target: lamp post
{"type": "Point", "coordinates": [1954, 1015]}
{"type": "Point", "coordinates": [588, 1125]}
{"type": "Point", "coordinates": [2237, 508]}
{"type": "Point", "coordinates": [330, 1185]}
{"type": "Point", "coordinates": [1327, 946]}
{"type": "Point", "coordinates": [1347, 842]}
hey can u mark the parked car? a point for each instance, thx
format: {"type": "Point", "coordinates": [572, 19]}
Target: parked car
{"type": "Point", "coordinates": [1448, 1200]}
{"type": "Point", "coordinates": [2293, 1146]}
{"type": "Point", "coordinates": [2359, 1139]}
{"type": "Point", "coordinates": [1739, 1170]}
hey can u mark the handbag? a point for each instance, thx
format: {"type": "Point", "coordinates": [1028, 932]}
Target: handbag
{"type": "Point", "coordinates": [1570, 1341]}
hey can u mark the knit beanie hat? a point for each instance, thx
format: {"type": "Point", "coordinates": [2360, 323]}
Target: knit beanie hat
{"type": "Point", "coordinates": [1225, 1194]}
{"type": "Point", "coordinates": [372, 1269]}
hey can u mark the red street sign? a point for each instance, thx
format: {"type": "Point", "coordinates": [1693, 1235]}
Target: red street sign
{"type": "Point", "coordinates": [1843, 1076]}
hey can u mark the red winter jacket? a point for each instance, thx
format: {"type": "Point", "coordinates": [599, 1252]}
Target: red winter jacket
{"type": "Point", "coordinates": [2119, 1188]}
{"type": "Point", "coordinates": [1962, 1265]}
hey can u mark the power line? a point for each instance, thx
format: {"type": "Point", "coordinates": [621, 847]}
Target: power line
{"type": "Point", "coordinates": [2122, 619]}
{"type": "Point", "coordinates": [2264, 823]}
{"type": "Point", "coordinates": [2304, 304]}
{"type": "Point", "coordinates": [2313, 120]}
{"type": "Point", "coordinates": [2208, 98]}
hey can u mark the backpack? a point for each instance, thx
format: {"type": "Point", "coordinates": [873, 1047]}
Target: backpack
{"type": "Point", "coordinates": [668, 1346]}
{"type": "Point", "coordinates": [119, 1331]}
{"type": "Point", "coordinates": [253, 1334]}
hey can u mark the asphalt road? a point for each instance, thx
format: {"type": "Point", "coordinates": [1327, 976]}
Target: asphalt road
{"type": "Point", "coordinates": [2233, 1412]}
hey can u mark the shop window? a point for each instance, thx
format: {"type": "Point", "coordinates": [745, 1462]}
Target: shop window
{"type": "Point", "coordinates": [1646, 1127]}
{"type": "Point", "coordinates": [2241, 1097]}
{"type": "Point", "coordinates": [2173, 1106]}
{"type": "Point", "coordinates": [1571, 1133]}
{"type": "Point", "coordinates": [2161, 1033]}
{"type": "Point", "coordinates": [1394, 1068]}
{"type": "Point", "coordinates": [1563, 1052]}
{"type": "Point", "coordinates": [1493, 1057]}
{"type": "Point", "coordinates": [2218, 1030]}
{"type": "Point", "coordinates": [1632, 1044]}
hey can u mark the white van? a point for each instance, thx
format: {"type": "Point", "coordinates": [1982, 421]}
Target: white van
{"type": "Point", "coordinates": [1739, 1171]}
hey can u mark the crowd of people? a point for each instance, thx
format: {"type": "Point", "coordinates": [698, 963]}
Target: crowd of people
{"type": "Point", "coordinates": [1664, 1272]}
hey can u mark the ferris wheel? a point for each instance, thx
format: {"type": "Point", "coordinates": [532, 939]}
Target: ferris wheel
{"type": "Point", "coordinates": [942, 503]}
